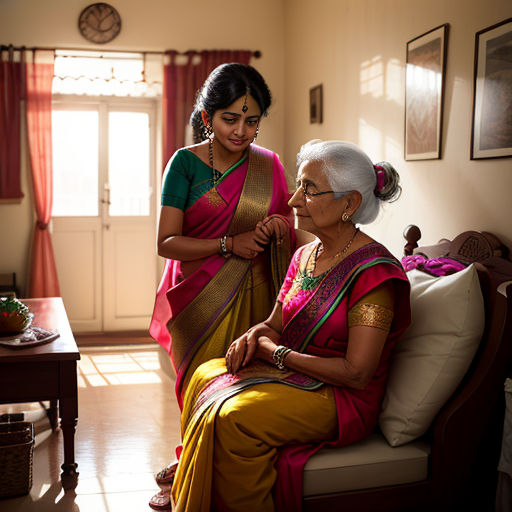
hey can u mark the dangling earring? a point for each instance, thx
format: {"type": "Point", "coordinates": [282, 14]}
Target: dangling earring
{"type": "Point", "coordinates": [207, 131]}
{"type": "Point", "coordinates": [256, 134]}
{"type": "Point", "coordinates": [345, 217]}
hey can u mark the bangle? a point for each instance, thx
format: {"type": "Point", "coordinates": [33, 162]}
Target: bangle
{"type": "Point", "coordinates": [224, 247]}
{"type": "Point", "coordinates": [279, 354]}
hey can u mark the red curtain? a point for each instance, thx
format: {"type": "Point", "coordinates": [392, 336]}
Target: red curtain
{"type": "Point", "coordinates": [43, 273]}
{"type": "Point", "coordinates": [181, 83]}
{"type": "Point", "coordinates": [11, 87]}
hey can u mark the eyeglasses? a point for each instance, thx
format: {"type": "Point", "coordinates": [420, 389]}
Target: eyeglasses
{"type": "Point", "coordinates": [306, 188]}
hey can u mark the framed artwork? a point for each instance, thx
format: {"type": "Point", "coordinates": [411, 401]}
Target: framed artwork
{"type": "Point", "coordinates": [424, 92]}
{"type": "Point", "coordinates": [491, 136]}
{"type": "Point", "coordinates": [315, 104]}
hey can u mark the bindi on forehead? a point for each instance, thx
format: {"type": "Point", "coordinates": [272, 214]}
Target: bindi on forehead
{"type": "Point", "coordinates": [247, 105]}
{"type": "Point", "coordinates": [245, 108]}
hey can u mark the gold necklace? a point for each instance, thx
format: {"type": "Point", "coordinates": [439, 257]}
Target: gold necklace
{"type": "Point", "coordinates": [307, 280]}
{"type": "Point", "coordinates": [339, 254]}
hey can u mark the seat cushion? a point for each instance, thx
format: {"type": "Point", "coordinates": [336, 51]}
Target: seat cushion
{"type": "Point", "coordinates": [434, 354]}
{"type": "Point", "coordinates": [369, 463]}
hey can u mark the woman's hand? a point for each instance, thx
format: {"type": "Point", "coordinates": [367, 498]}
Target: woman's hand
{"type": "Point", "coordinates": [272, 227]}
{"type": "Point", "coordinates": [248, 245]}
{"type": "Point", "coordinates": [265, 349]}
{"type": "Point", "coordinates": [245, 348]}
{"type": "Point", "coordinates": [236, 354]}
{"type": "Point", "coordinates": [254, 334]}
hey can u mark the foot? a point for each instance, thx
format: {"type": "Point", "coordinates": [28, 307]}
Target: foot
{"type": "Point", "coordinates": [165, 477]}
{"type": "Point", "coordinates": [161, 501]}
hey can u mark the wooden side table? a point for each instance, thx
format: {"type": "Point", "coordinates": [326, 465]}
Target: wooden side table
{"type": "Point", "coordinates": [47, 372]}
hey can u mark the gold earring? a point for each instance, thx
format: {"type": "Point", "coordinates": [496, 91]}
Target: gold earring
{"type": "Point", "coordinates": [345, 217]}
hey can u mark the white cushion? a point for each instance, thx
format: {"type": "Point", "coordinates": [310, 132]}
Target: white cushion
{"type": "Point", "coordinates": [431, 358]}
{"type": "Point", "coordinates": [363, 465]}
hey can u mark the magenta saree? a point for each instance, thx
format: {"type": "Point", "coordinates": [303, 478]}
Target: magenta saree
{"type": "Point", "coordinates": [188, 307]}
{"type": "Point", "coordinates": [315, 322]}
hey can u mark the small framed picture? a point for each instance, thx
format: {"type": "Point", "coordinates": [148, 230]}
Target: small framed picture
{"type": "Point", "coordinates": [424, 92]}
{"type": "Point", "coordinates": [315, 104]}
{"type": "Point", "coordinates": [491, 136]}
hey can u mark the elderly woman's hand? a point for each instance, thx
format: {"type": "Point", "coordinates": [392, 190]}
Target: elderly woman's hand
{"type": "Point", "coordinates": [245, 348]}
{"type": "Point", "coordinates": [265, 349]}
{"type": "Point", "coordinates": [236, 354]}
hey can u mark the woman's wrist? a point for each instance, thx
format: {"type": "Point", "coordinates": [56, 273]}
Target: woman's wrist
{"type": "Point", "coordinates": [226, 246]}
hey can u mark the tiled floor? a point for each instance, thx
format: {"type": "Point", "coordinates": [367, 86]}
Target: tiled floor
{"type": "Point", "coordinates": [127, 429]}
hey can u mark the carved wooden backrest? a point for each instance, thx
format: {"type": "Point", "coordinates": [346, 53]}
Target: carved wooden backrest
{"type": "Point", "coordinates": [468, 247]}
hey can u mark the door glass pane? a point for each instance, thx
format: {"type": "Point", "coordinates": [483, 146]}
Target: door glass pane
{"type": "Point", "coordinates": [75, 163]}
{"type": "Point", "coordinates": [128, 163]}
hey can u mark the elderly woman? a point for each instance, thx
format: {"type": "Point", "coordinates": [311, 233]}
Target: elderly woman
{"type": "Point", "coordinates": [313, 373]}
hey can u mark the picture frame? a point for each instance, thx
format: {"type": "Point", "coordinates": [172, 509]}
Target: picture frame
{"type": "Point", "coordinates": [424, 94]}
{"type": "Point", "coordinates": [316, 104]}
{"type": "Point", "coordinates": [491, 134]}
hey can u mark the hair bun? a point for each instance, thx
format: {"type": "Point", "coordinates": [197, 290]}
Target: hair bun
{"type": "Point", "coordinates": [388, 182]}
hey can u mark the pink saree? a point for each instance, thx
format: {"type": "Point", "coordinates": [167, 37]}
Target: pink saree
{"type": "Point", "coordinates": [314, 322]}
{"type": "Point", "coordinates": [188, 307]}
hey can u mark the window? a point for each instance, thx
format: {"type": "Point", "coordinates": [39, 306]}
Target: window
{"type": "Point", "coordinates": [75, 162]}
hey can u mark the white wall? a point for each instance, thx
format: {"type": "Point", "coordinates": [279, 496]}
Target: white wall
{"type": "Point", "coordinates": [356, 49]}
{"type": "Point", "coordinates": [150, 25]}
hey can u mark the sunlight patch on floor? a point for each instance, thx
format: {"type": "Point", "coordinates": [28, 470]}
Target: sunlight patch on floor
{"type": "Point", "coordinates": [118, 369]}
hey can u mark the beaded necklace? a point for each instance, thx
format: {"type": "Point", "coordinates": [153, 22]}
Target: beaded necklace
{"type": "Point", "coordinates": [307, 280]}
{"type": "Point", "coordinates": [216, 175]}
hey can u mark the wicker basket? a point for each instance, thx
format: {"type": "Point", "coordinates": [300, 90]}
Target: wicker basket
{"type": "Point", "coordinates": [16, 447]}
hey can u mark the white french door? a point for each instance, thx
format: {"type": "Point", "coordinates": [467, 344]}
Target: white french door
{"type": "Point", "coordinates": [104, 212]}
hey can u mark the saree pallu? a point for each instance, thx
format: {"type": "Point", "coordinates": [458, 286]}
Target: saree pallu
{"type": "Point", "coordinates": [317, 326]}
{"type": "Point", "coordinates": [224, 295]}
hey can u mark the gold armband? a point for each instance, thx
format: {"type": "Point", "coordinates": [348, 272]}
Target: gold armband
{"type": "Point", "coordinates": [370, 315]}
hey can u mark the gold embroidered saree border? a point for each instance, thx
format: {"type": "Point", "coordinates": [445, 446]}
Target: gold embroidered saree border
{"type": "Point", "coordinates": [195, 320]}
{"type": "Point", "coordinates": [256, 193]}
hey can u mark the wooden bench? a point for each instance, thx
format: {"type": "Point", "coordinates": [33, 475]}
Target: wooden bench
{"type": "Point", "coordinates": [455, 463]}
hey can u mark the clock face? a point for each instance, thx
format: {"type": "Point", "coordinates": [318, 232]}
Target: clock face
{"type": "Point", "coordinates": [99, 23]}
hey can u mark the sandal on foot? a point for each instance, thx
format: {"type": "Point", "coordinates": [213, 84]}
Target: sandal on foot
{"type": "Point", "coordinates": [161, 501]}
{"type": "Point", "coordinates": [165, 477]}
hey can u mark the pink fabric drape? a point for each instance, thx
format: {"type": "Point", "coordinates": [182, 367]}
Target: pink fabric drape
{"type": "Point", "coordinates": [12, 75]}
{"type": "Point", "coordinates": [43, 273]}
{"type": "Point", "coordinates": [181, 83]}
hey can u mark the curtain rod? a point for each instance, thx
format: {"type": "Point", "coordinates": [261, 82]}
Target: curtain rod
{"type": "Point", "coordinates": [256, 54]}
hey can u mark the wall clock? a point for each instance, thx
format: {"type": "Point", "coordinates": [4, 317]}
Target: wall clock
{"type": "Point", "coordinates": [99, 23]}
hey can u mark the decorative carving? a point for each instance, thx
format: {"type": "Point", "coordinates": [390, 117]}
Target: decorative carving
{"type": "Point", "coordinates": [474, 249]}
